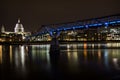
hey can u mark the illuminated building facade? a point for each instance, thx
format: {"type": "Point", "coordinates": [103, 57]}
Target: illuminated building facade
{"type": "Point", "coordinates": [19, 27]}
{"type": "Point", "coordinates": [88, 34]}
{"type": "Point", "coordinates": [17, 35]}
{"type": "Point", "coordinates": [92, 34]}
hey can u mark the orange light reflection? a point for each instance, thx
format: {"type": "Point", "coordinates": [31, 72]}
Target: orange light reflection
{"type": "Point", "coordinates": [0, 54]}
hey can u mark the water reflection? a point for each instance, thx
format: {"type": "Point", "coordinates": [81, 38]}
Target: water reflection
{"type": "Point", "coordinates": [75, 54]}
{"type": "Point", "coordinates": [85, 54]}
{"type": "Point", "coordinates": [116, 59]}
{"type": "Point", "coordinates": [40, 52]}
{"type": "Point", "coordinates": [72, 56]}
{"type": "Point", "coordinates": [18, 58]}
{"type": "Point", "coordinates": [113, 45]}
{"type": "Point", "coordinates": [106, 58]}
{"type": "Point", "coordinates": [0, 54]}
{"type": "Point", "coordinates": [11, 54]}
{"type": "Point", "coordinates": [5, 55]}
{"type": "Point", "coordinates": [72, 53]}
{"type": "Point", "coordinates": [73, 59]}
{"type": "Point", "coordinates": [99, 55]}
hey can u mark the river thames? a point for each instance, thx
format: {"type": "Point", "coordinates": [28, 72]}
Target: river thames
{"type": "Point", "coordinates": [75, 61]}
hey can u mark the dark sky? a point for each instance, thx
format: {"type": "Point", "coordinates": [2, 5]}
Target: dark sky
{"type": "Point", "coordinates": [34, 13]}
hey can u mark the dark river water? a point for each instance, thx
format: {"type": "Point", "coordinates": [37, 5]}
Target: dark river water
{"type": "Point", "coordinates": [74, 62]}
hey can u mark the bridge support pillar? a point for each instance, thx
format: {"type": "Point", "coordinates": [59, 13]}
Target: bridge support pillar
{"type": "Point", "coordinates": [54, 46]}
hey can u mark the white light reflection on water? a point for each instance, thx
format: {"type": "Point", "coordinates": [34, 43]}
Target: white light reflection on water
{"type": "Point", "coordinates": [17, 62]}
{"type": "Point", "coordinates": [22, 55]}
{"type": "Point", "coordinates": [40, 54]}
{"type": "Point", "coordinates": [20, 58]}
{"type": "Point", "coordinates": [72, 55]}
{"type": "Point", "coordinates": [115, 62]}
{"type": "Point", "coordinates": [106, 58]}
{"type": "Point", "coordinates": [113, 45]}
{"type": "Point", "coordinates": [47, 51]}
{"type": "Point", "coordinates": [93, 45]}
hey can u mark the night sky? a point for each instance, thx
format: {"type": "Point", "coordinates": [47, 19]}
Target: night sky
{"type": "Point", "coordinates": [34, 13]}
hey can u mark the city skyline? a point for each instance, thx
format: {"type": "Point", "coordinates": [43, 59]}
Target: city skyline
{"type": "Point", "coordinates": [33, 14]}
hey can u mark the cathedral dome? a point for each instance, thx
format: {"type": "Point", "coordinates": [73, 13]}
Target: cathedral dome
{"type": "Point", "coordinates": [19, 27]}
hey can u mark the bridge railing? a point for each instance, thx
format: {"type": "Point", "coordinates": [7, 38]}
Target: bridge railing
{"type": "Point", "coordinates": [80, 24]}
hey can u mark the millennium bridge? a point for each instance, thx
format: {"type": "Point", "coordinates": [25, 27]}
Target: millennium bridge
{"type": "Point", "coordinates": [95, 29]}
